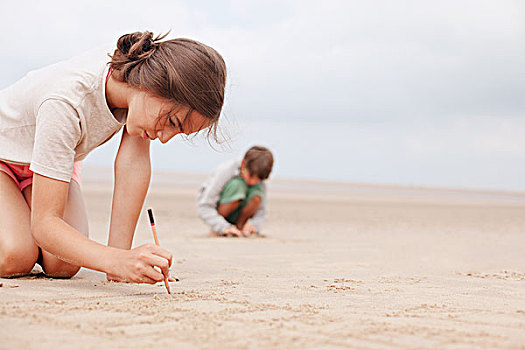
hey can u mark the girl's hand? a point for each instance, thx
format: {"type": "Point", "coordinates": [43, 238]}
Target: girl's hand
{"type": "Point", "coordinates": [114, 278]}
{"type": "Point", "coordinates": [137, 265]}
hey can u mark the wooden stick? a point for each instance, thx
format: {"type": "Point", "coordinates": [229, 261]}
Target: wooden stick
{"type": "Point", "coordinates": [156, 238]}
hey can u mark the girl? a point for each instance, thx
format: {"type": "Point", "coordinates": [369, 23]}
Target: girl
{"type": "Point", "coordinates": [53, 117]}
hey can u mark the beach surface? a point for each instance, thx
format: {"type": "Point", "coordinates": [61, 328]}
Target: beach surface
{"type": "Point", "coordinates": [340, 266]}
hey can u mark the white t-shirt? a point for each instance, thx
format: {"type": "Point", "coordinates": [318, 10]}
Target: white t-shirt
{"type": "Point", "coordinates": [57, 115]}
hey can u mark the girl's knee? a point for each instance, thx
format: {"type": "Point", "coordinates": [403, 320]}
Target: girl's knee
{"type": "Point", "coordinates": [60, 269]}
{"type": "Point", "coordinates": [17, 261]}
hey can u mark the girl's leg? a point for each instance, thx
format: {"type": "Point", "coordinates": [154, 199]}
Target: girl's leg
{"type": "Point", "coordinates": [74, 215]}
{"type": "Point", "coordinates": [18, 250]}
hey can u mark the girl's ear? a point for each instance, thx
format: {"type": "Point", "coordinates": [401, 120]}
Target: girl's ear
{"type": "Point", "coordinates": [242, 164]}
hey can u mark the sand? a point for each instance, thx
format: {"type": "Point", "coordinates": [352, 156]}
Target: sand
{"type": "Point", "coordinates": [343, 266]}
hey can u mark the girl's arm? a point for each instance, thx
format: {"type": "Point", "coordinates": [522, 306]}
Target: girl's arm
{"type": "Point", "coordinates": [53, 234]}
{"type": "Point", "coordinates": [132, 176]}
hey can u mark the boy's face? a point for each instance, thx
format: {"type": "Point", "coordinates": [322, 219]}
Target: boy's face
{"type": "Point", "coordinates": [247, 177]}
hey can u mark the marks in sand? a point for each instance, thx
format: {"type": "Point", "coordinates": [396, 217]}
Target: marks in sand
{"type": "Point", "coordinates": [502, 275]}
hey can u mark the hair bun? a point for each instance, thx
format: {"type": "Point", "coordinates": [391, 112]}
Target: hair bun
{"type": "Point", "coordinates": [132, 50]}
{"type": "Point", "coordinates": [137, 46]}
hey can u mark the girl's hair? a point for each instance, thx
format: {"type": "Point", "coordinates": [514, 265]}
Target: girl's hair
{"type": "Point", "coordinates": [183, 71]}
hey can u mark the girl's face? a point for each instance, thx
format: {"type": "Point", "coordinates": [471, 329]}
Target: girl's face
{"type": "Point", "coordinates": [152, 117]}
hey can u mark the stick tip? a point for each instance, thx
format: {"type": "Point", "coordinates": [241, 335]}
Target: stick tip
{"type": "Point", "coordinates": [150, 214]}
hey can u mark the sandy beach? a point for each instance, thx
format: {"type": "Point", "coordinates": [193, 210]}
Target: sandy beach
{"type": "Point", "coordinates": [341, 266]}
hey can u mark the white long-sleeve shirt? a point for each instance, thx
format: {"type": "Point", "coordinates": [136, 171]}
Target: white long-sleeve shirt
{"type": "Point", "coordinates": [209, 195]}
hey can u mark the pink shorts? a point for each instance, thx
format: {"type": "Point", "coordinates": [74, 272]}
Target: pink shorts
{"type": "Point", "coordinates": [24, 177]}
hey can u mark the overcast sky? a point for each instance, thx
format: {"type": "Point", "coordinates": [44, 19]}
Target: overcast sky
{"type": "Point", "coordinates": [404, 92]}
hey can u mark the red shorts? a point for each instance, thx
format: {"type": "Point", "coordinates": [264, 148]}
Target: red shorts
{"type": "Point", "coordinates": [24, 177]}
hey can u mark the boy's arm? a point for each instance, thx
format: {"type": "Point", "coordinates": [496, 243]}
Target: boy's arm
{"type": "Point", "coordinates": [132, 176]}
{"type": "Point", "coordinates": [209, 197]}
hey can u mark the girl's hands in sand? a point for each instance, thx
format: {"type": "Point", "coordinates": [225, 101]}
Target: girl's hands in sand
{"type": "Point", "coordinates": [113, 278]}
{"type": "Point", "coordinates": [137, 265]}
{"type": "Point", "coordinates": [232, 231]}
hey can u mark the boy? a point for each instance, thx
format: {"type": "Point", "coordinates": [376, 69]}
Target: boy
{"type": "Point", "coordinates": [232, 200]}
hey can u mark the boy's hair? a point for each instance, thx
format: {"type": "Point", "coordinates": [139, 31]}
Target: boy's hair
{"type": "Point", "coordinates": [183, 71]}
{"type": "Point", "coordinates": [258, 161]}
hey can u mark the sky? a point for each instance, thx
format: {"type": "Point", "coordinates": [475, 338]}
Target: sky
{"type": "Point", "coordinates": [419, 93]}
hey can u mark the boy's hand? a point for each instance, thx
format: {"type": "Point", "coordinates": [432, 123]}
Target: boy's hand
{"type": "Point", "coordinates": [234, 231]}
{"type": "Point", "coordinates": [248, 229]}
{"type": "Point", "coordinates": [137, 265]}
